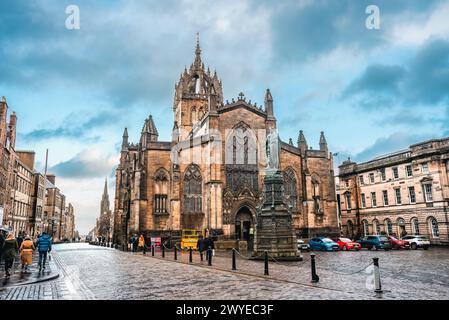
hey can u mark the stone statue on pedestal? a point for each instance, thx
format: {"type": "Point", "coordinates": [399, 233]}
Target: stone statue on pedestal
{"type": "Point", "coordinates": [272, 150]}
{"type": "Point", "coordinates": [274, 229]}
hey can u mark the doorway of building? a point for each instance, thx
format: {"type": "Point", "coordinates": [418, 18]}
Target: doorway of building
{"type": "Point", "coordinates": [244, 229]}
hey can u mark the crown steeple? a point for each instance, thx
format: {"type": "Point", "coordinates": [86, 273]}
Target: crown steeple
{"type": "Point", "coordinates": [198, 93]}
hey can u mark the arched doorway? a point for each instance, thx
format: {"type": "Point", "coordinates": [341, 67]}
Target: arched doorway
{"type": "Point", "coordinates": [244, 225]}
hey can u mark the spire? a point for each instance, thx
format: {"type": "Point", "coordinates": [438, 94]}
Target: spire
{"type": "Point", "coordinates": [152, 127]}
{"type": "Point", "coordinates": [105, 199]}
{"type": "Point", "coordinates": [149, 131]}
{"type": "Point", "coordinates": [125, 139]}
{"type": "Point", "coordinates": [323, 142]}
{"type": "Point", "coordinates": [269, 104]}
{"type": "Point", "coordinates": [105, 192]}
{"type": "Point", "coordinates": [302, 143]}
{"type": "Point", "coordinates": [197, 62]}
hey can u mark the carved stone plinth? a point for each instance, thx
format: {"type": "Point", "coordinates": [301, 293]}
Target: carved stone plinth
{"type": "Point", "coordinates": [274, 229]}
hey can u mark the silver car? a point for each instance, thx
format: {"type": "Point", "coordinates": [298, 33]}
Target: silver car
{"type": "Point", "coordinates": [302, 245]}
{"type": "Point", "coordinates": [417, 241]}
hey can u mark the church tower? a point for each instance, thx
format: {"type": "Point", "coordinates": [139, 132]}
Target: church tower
{"type": "Point", "coordinates": [196, 87]}
{"type": "Point", "coordinates": [105, 199]}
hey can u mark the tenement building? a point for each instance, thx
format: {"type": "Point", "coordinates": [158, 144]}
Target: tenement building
{"type": "Point", "coordinates": [210, 174]}
{"type": "Point", "coordinates": [406, 192]}
{"type": "Point", "coordinates": [7, 158]}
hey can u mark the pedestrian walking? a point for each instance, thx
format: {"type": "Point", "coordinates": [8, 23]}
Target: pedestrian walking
{"type": "Point", "coordinates": [141, 242]}
{"type": "Point", "coordinates": [20, 239]}
{"type": "Point", "coordinates": [9, 252]}
{"type": "Point", "coordinates": [209, 247]}
{"type": "Point", "coordinates": [200, 246]}
{"type": "Point", "coordinates": [2, 241]}
{"type": "Point", "coordinates": [44, 247]}
{"type": "Point", "coordinates": [135, 243]}
{"type": "Point", "coordinates": [26, 252]}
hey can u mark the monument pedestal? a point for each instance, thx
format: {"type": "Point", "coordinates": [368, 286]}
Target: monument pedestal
{"type": "Point", "coordinates": [274, 229]}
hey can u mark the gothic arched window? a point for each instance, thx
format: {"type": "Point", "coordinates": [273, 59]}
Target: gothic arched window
{"type": "Point", "coordinates": [290, 187]}
{"type": "Point", "coordinates": [316, 194]}
{"type": "Point", "coordinates": [241, 158]}
{"type": "Point", "coordinates": [192, 190]}
{"type": "Point", "coordinates": [193, 118]}
{"type": "Point", "coordinates": [160, 191]}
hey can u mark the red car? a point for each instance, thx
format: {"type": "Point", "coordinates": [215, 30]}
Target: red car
{"type": "Point", "coordinates": [398, 244]}
{"type": "Point", "coordinates": [347, 244]}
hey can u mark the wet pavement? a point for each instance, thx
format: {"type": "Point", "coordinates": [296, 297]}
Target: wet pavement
{"type": "Point", "coordinates": [30, 275]}
{"type": "Point", "coordinates": [92, 272]}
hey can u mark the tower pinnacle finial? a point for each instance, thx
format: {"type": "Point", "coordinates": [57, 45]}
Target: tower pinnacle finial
{"type": "Point", "coordinates": [197, 63]}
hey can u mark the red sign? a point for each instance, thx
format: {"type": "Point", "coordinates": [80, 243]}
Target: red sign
{"type": "Point", "coordinates": [156, 241]}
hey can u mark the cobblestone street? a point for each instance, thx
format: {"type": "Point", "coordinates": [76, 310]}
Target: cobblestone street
{"type": "Point", "coordinates": [92, 272]}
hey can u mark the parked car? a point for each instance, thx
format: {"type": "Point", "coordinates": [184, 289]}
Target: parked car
{"type": "Point", "coordinates": [347, 244]}
{"type": "Point", "coordinates": [375, 242]}
{"type": "Point", "coordinates": [302, 245]}
{"type": "Point", "coordinates": [398, 244]}
{"type": "Point", "coordinates": [417, 241]}
{"type": "Point", "coordinates": [325, 244]}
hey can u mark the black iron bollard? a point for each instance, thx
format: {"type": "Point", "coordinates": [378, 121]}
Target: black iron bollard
{"type": "Point", "coordinates": [123, 247]}
{"type": "Point", "coordinates": [144, 248]}
{"type": "Point", "coordinates": [234, 267]}
{"type": "Point", "coordinates": [315, 277]}
{"type": "Point", "coordinates": [209, 256]}
{"type": "Point", "coordinates": [190, 255]}
{"type": "Point", "coordinates": [378, 288]}
{"type": "Point", "coordinates": [163, 251]}
{"type": "Point", "coordinates": [152, 250]}
{"type": "Point", "coordinates": [266, 264]}
{"type": "Point", "coordinates": [176, 252]}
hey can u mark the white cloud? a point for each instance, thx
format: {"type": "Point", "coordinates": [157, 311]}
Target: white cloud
{"type": "Point", "coordinates": [416, 28]}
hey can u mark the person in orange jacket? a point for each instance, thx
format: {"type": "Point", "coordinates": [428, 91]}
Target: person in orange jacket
{"type": "Point", "coordinates": [26, 252]}
{"type": "Point", "coordinates": [141, 242]}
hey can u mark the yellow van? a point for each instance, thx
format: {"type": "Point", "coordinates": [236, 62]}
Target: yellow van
{"type": "Point", "coordinates": [189, 238]}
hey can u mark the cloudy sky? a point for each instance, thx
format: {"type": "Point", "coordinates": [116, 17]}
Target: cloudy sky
{"type": "Point", "coordinates": [74, 91]}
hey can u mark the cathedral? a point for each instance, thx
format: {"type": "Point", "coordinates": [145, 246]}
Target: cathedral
{"type": "Point", "coordinates": [210, 175]}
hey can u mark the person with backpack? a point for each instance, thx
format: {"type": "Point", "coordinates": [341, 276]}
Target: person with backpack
{"type": "Point", "coordinates": [9, 252]}
{"type": "Point", "coordinates": [44, 247]}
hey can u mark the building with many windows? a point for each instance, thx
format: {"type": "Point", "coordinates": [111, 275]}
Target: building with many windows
{"type": "Point", "coordinates": [406, 192]}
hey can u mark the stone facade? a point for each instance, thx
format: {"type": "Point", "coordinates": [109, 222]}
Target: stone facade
{"type": "Point", "coordinates": [210, 175]}
{"type": "Point", "coordinates": [7, 157]}
{"type": "Point", "coordinates": [22, 193]}
{"type": "Point", "coordinates": [404, 192]}
{"type": "Point", "coordinates": [36, 219]}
